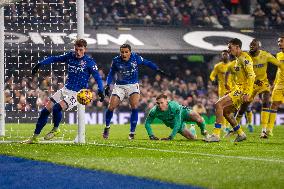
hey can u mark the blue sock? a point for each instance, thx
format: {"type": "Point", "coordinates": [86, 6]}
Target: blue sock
{"type": "Point", "coordinates": [133, 120]}
{"type": "Point", "coordinates": [109, 115]}
{"type": "Point", "coordinates": [57, 114]}
{"type": "Point", "coordinates": [42, 120]}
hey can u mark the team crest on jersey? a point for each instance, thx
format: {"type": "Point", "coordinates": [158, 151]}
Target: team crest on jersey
{"type": "Point", "coordinates": [83, 63]}
{"type": "Point", "coordinates": [133, 64]}
{"type": "Point", "coordinates": [246, 62]}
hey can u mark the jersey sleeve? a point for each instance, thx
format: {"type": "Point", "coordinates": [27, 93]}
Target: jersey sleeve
{"type": "Point", "coordinates": [95, 73]}
{"type": "Point", "coordinates": [248, 69]}
{"type": "Point", "coordinates": [111, 73]}
{"type": "Point", "coordinates": [177, 119]}
{"type": "Point", "coordinates": [150, 64]}
{"type": "Point", "coordinates": [213, 73]}
{"type": "Point", "coordinates": [53, 59]}
{"type": "Point", "coordinates": [150, 118]}
{"type": "Point", "coordinates": [177, 123]}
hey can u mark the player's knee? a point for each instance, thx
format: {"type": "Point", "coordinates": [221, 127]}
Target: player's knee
{"type": "Point", "coordinates": [134, 106]}
{"type": "Point", "coordinates": [218, 105]}
{"type": "Point", "coordinates": [111, 107]}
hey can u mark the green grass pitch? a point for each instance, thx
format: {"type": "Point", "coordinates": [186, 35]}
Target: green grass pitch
{"type": "Point", "coordinates": [255, 163]}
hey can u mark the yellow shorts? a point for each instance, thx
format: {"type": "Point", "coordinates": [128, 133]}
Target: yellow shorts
{"type": "Point", "coordinates": [259, 89]}
{"type": "Point", "coordinates": [236, 95]}
{"type": "Point", "coordinates": [278, 94]}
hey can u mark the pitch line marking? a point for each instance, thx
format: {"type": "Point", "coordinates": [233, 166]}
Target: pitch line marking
{"type": "Point", "coordinates": [194, 153]}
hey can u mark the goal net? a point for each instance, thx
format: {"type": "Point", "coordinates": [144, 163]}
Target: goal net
{"type": "Point", "coordinates": [35, 29]}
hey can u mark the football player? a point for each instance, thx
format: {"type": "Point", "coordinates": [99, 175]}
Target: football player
{"type": "Point", "coordinates": [80, 67]}
{"type": "Point", "coordinates": [261, 86]}
{"type": "Point", "coordinates": [219, 73]}
{"type": "Point", "coordinates": [125, 67]}
{"type": "Point", "coordinates": [174, 116]}
{"type": "Point", "coordinates": [241, 92]}
{"type": "Point", "coordinates": [277, 96]}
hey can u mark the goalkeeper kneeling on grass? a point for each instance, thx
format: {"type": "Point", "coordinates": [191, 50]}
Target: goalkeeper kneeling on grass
{"type": "Point", "coordinates": [174, 116]}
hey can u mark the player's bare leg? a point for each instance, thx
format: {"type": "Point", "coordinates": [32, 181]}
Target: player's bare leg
{"type": "Point", "coordinates": [194, 116]}
{"type": "Point", "coordinates": [228, 114]}
{"type": "Point", "coordinates": [134, 101]}
{"type": "Point", "coordinates": [113, 104]}
{"type": "Point", "coordinates": [242, 111]}
{"type": "Point", "coordinates": [219, 107]}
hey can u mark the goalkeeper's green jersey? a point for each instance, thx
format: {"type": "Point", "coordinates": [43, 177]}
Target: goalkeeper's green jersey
{"type": "Point", "coordinates": [174, 117]}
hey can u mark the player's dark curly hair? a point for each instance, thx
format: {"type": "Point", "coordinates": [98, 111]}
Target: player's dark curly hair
{"type": "Point", "coordinates": [236, 41]}
{"type": "Point", "coordinates": [125, 45]}
{"type": "Point", "coordinates": [80, 43]}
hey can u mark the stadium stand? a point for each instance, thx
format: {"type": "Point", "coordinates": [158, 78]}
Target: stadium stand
{"type": "Point", "coordinates": [22, 94]}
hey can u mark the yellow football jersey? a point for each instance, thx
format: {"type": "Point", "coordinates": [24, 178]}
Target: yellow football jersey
{"type": "Point", "coordinates": [279, 80]}
{"type": "Point", "coordinates": [231, 70]}
{"type": "Point", "coordinates": [245, 75]}
{"type": "Point", "coordinates": [260, 63]}
{"type": "Point", "coordinates": [220, 70]}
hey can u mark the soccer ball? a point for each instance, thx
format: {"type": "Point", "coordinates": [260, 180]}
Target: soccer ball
{"type": "Point", "coordinates": [85, 96]}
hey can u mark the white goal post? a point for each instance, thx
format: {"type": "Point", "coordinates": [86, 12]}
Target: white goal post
{"type": "Point", "coordinates": [80, 34]}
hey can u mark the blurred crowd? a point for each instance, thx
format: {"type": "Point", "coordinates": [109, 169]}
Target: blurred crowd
{"type": "Point", "coordinates": [269, 14]}
{"type": "Point", "coordinates": [184, 13]}
{"type": "Point", "coordinates": [32, 94]}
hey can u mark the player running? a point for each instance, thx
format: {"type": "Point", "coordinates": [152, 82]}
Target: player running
{"type": "Point", "coordinates": [80, 67]}
{"type": "Point", "coordinates": [241, 92]}
{"type": "Point", "coordinates": [174, 116]}
{"type": "Point", "coordinates": [261, 86]}
{"type": "Point", "coordinates": [219, 73]}
{"type": "Point", "coordinates": [277, 96]}
{"type": "Point", "coordinates": [125, 67]}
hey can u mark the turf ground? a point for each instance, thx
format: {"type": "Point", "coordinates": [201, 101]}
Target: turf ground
{"type": "Point", "coordinates": [255, 163]}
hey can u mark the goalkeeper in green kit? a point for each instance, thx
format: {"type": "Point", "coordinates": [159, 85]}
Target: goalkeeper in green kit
{"type": "Point", "coordinates": [174, 116]}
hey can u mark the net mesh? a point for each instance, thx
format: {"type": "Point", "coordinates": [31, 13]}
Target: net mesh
{"type": "Point", "coordinates": [33, 30]}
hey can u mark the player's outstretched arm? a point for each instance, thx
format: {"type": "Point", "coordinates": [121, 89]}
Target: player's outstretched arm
{"type": "Point", "coordinates": [50, 60]}
{"type": "Point", "coordinates": [162, 72]}
{"type": "Point", "coordinates": [150, 118]}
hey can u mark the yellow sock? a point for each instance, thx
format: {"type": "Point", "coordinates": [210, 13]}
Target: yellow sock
{"type": "Point", "coordinates": [238, 118]}
{"type": "Point", "coordinates": [264, 117]}
{"type": "Point", "coordinates": [249, 117]}
{"type": "Point", "coordinates": [272, 118]}
{"type": "Point", "coordinates": [238, 129]}
{"type": "Point", "coordinates": [217, 129]}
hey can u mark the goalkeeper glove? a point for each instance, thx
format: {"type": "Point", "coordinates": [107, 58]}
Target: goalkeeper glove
{"type": "Point", "coordinates": [167, 138]}
{"type": "Point", "coordinates": [101, 95]}
{"type": "Point", "coordinates": [162, 72]}
{"type": "Point", "coordinates": [107, 90]}
{"type": "Point", "coordinates": [153, 137]}
{"type": "Point", "coordinates": [35, 69]}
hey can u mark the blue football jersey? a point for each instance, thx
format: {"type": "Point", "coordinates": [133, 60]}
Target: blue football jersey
{"type": "Point", "coordinates": [127, 71]}
{"type": "Point", "coordinates": [79, 70]}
